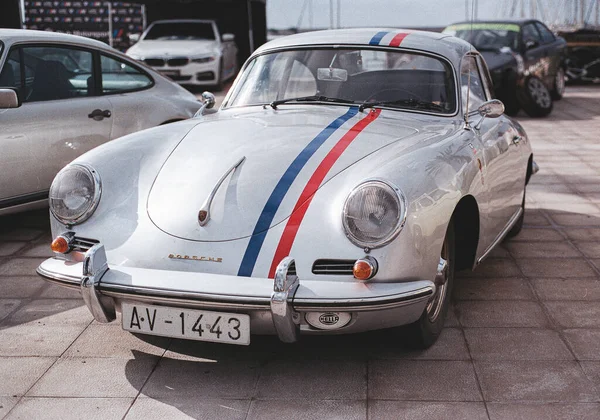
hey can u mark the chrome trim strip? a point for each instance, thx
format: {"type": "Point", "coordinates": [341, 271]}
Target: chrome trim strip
{"type": "Point", "coordinates": [61, 279]}
{"type": "Point", "coordinates": [206, 206]}
{"type": "Point", "coordinates": [502, 234]}
{"type": "Point", "coordinates": [364, 305]}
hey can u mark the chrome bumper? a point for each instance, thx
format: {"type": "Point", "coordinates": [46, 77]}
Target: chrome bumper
{"type": "Point", "coordinates": [279, 309]}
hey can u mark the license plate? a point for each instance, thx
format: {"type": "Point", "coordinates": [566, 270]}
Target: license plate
{"type": "Point", "coordinates": [191, 324]}
{"type": "Point", "coordinates": [170, 73]}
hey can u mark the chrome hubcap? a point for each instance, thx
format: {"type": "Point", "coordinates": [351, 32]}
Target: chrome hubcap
{"type": "Point", "coordinates": [560, 81]}
{"type": "Point", "coordinates": [539, 93]}
{"type": "Point", "coordinates": [435, 305]}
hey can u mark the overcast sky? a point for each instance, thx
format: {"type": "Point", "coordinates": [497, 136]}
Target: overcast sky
{"type": "Point", "coordinates": [396, 13]}
{"type": "Point", "coordinates": [413, 13]}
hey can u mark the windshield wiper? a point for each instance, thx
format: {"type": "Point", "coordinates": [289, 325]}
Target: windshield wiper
{"type": "Point", "coordinates": [312, 98]}
{"type": "Point", "coordinates": [412, 103]}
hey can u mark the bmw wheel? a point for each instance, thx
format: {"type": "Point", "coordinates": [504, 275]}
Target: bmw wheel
{"type": "Point", "coordinates": [424, 332]}
{"type": "Point", "coordinates": [535, 98]}
{"type": "Point", "coordinates": [558, 89]}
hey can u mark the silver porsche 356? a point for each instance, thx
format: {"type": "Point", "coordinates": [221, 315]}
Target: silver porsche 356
{"type": "Point", "coordinates": [346, 177]}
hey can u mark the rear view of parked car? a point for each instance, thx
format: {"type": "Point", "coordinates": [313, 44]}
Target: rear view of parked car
{"type": "Point", "coordinates": [62, 95]}
{"type": "Point", "coordinates": [526, 61]}
{"type": "Point", "coordinates": [190, 52]}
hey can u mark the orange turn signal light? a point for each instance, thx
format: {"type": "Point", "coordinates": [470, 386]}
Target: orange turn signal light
{"type": "Point", "coordinates": [365, 268]}
{"type": "Point", "coordinates": [60, 245]}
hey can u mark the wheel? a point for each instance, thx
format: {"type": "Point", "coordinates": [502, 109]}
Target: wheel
{"type": "Point", "coordinates": [535, 98]}
{"type": "Point", "coordinates": [558, 88]}
{"type": "Point", "coordinates": [424, 332]}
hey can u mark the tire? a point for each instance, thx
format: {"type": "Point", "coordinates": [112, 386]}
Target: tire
{"type": "Point", "coordinates": [558, 86]}
{"type": "Point", "coordinates": [508, 94]}
{"type": "Point", "coordinates": [535, 98]}
{"type": "Point", "coordinates": [424, 332]}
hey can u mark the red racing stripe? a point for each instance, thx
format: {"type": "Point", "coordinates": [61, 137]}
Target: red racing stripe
{"type": "Point", "coordinates": [293, 223]}
{"type": "Point", "coordinates": [397, 40]}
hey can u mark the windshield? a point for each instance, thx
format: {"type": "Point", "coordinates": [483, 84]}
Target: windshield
{"type": "Point", "coordinates": [487, 37]}
{"type": "Point", "coordinates": [395, 79]}
{"type": "Point", "coordinates": [181, 31]}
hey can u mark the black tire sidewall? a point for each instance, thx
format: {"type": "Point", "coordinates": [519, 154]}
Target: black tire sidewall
{"type": "Point", "coordinates": [555, 93]}
{"type": "Point", "coordinates": [529, 105]}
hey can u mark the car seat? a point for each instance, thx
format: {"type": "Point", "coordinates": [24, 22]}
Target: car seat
{"type": "Point", "coordinates": [51, 81]}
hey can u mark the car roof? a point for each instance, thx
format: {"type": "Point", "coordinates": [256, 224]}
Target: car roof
{"type": "Point", "coordinates": [434, 42]}
{"type": "Point", "coordinates": [11, 36]}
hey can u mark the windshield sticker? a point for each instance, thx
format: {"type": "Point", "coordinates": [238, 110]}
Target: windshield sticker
{"type": "Point", "coordinates": [395, 42]}
{"type": "Point", "coordinates": [498, 26]}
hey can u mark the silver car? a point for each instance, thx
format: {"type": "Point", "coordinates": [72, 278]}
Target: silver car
{"type": "Point", "coordinates": [62, 95]}
{"type": "Point", "coordinates": [346, 177]}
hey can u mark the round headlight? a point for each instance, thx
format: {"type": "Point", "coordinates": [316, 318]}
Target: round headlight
{"type": "Point", "coordinates": [74, 194]}
{"type": "Point", "coordinates": [374, 213]}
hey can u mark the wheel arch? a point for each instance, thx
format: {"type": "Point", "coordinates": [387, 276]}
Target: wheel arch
{"type": "Point", "coordinates": [465, 219]}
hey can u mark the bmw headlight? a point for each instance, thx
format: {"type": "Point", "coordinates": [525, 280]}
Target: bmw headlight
{"type": "Point", "coordinates": [75, 193]}
{"type": "Point", "coordinates": [374, 213]}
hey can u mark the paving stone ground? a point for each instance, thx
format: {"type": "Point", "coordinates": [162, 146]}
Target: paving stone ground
{"type": "Point", "coordinates": [522, 340]}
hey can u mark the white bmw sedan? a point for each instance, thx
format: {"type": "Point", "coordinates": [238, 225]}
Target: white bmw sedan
{"type": "Point", "coordinates": [190, 52]}
{"type": "Point", "coordinates": [62, 95]}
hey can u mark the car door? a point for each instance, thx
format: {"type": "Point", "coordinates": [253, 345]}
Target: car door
{"type": "Point", "coordinates": [60, 118]}
{"type": "Point", "coordinates": [552, 53]}
{"type": "Point", "coordinates": [534, 52]}
{"type": "Point", "coordinates": [129, 90]}
{"type": "Point", "coordinates": [500, 154]}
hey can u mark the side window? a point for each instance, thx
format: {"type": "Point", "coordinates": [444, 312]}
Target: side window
{"type": "Point", "coordinates": [471, 85]}
{"type": "Point", "coordinates": [301, 82]}
{"type": "Point", "coordinates": [11, 73]}
{"type": "Point", "coordinates": [531, 34]}
{"type": "Point", "coordinates": [547, 36]}
{"type": "Point", "coordinates": [488, 85]}
{"type": "Point", "coordinates": [53, 73]}
{"type": "Point", "coordinates": [118, 76]}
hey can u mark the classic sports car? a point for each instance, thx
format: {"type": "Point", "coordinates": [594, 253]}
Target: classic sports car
{"type": "Point", "coordinates": [346, 177]}
{"type": "Point", "coordinates": [62, 95]}
{"type": "Point", "coordinates": [190, 52]}
{"type": "Point", "coordinates": [526, 60]}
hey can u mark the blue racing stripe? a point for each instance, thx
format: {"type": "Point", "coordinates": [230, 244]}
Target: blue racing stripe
{"type": "Point", "coordinates": [281, 189]}
{"type": "Point", "coordinates": [377, 38]}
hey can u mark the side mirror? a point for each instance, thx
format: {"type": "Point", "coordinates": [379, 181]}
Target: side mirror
{"type": "Point", "coordinates": [531, 44]}
{"type": "Point", "coordinates": [491, 109]}
{"type": "Point", "coordinates": [9, 98]}
{"type": "Point", "coordinates": [208, 101]}
{"type": "Point", "coordinates": [227, 37]}
{"type": "Point", "coordinates": [134, 37]}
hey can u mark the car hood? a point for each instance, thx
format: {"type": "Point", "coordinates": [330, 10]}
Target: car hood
{"type": "Point", "coordinates": [282, 149]}
{"type": "Point", "coordinates": [497, 60]}
{"type": "Point", "coordinates": [159, 48]}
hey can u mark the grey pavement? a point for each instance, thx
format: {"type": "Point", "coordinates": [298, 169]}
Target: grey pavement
{"type": "Point", "coordinates": [522, 340]}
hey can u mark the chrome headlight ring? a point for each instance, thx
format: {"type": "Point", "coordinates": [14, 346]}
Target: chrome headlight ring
{"type": "Point", "coordinates": [396, 205]}
{"type": "Point", "coordinates": [88, 194]}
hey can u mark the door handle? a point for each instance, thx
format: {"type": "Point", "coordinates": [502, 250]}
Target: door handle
{"type": "Point", "coordinates": [517, 139]}
{"type": "Point", "coordinates": [98, 114]}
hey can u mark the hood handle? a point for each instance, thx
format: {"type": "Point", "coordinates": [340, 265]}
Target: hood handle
{"type": "Point", "coordinates": [204, 213]}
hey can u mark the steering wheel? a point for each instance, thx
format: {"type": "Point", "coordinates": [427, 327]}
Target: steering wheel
{"type": "Point", "coordinates": [411, 95]}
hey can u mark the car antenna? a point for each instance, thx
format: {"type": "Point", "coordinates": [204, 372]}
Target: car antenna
{"type": "Point", "coordinates": [467, 126]}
